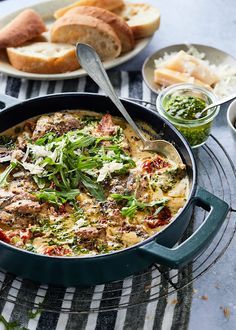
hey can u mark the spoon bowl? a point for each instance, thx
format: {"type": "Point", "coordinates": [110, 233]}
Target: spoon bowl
{"type": "Point", "coordinates": [91, 63]}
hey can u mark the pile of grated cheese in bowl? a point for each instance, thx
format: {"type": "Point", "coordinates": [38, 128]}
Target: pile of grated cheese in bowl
{"type": "Point", "coordinates": [222, 77]}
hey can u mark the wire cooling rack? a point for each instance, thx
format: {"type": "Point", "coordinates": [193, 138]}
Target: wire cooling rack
{"type": "Point", "coordinates": [216, 173]}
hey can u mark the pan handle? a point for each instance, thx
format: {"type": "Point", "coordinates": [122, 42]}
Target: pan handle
{"type": "Point", "coordinates": [7, 101]}
{"type": "Point", "coordinates": [182, 254]}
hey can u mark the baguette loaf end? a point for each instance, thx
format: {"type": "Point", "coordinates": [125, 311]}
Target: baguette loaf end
{"type": "Point", "coordinates": [24, 27]}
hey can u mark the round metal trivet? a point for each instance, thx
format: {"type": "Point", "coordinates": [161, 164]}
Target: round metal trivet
{"type": "Point", "coordinates": [217, 174]}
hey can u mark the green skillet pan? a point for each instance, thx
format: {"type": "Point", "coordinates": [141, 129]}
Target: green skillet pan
{"type": "Point", "coordinates": [71, 271]}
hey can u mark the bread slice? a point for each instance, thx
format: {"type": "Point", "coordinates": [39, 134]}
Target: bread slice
{"type": "Point", "coordinates": [75, 28]}
{"type": "Point", "coordinates": [143, 18]}
{"type": "Point", "coordinates": [106, 4]}
{"type": "Point", "coordinates": [120, 27]}
{"type": "Point", "coordinates": [22, 28]}
{"type": "Point", "coordinates": [43, 57]}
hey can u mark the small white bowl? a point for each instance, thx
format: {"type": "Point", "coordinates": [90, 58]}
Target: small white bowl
{"type": "Point", "coordinates": [231, 118]}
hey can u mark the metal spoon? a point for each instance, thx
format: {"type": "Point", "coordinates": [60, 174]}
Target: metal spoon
{"type": "Point", "coordinates": [213, 105]}
{"type": "Point", "coordinates": [91, 63]}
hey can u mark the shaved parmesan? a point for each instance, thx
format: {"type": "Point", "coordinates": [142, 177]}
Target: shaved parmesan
{"type": "Point", "coordinates": [109, 168]}
{"type": "Point", "coordinates": [33, 168]}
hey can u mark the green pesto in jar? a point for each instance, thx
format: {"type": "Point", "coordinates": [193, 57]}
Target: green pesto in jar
{"type": "Point", "coordinates": [197, 135]}
{"type": "Point", "coordinates": [184, 106]}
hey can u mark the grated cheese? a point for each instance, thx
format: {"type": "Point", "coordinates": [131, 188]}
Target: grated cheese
{"type": "Point", "coordinates": [109, 168]}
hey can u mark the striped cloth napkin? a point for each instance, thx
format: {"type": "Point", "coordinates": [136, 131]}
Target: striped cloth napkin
{"type": "Point", "coordinates": [18, 297]}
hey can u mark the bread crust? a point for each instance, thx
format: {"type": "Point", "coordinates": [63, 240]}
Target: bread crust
{"type": "Point", "coordinates": [75, 28]}
{"type": "Point", "coordinates": [120, 27]}
{"type": "Point", "coordinates": [142, 18]}
{"type": "Point", "coordinates": [106, 4]}
{"type": "Point", "coordinates": [25, 26]}
{"type": "Point", "coordinates": [36, 64]}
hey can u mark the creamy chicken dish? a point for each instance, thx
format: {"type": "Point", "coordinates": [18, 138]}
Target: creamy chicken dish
{"type": "Point", "coordinates": [78, 183]}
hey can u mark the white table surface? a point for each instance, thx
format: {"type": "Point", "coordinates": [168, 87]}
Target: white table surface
{"type": "Point", "coordinates": [212, 23]}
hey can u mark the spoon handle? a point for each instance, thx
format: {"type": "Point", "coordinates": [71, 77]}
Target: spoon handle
{"type": "Point", "coordinates": [91, 63]}
{"type": "Point", "coordinates": [221, 101]}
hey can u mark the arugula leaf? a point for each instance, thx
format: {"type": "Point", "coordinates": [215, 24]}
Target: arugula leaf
{"type": "Point", "coordinates": [75, 158]}
{"type": "Point", "coordinates": [57, 197]}
{"type": "Point", "coordinates": [132, 204]}
{"type": "Point", "coordinates": [47, 138]}
{"type": "Point", "coordinates": [93, 187]}
{"type": "Point", "coordinates": [4, 175]}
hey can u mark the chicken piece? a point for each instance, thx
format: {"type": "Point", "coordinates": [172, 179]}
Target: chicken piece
{"type": "Point", "coordinates": [59, 123]}
{"type": "Point", "coordinates": [5, 197]}
{"type": "Point", "coordinates": [6, 218]}
{"type": "Point", "coordinates": [20, 186]}
{"type": "Point", "coordinates": [24, 206]}
{"type": "Point", "coordinates": [16, 220]}
{"type": "Point", "coordinates": [23, 139]}
{"type": "Point", "coordinates": [88, 233]}
{"type": "Point", "coordinates": [5, 155]}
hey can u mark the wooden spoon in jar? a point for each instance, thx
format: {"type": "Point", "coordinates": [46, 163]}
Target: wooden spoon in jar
{"type": "Point", "coordinates": [91, 63]}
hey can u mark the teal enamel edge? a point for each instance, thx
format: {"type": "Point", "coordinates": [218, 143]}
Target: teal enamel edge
{"type": "Point", "coordinates": [181, 255]}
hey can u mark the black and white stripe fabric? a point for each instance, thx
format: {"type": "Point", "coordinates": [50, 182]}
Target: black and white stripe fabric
{"type": "Point", "coordinates": [171, 312]}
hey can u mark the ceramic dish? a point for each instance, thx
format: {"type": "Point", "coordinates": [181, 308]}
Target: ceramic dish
{"type": "Point", "coordinates": [213, 55]}
{"type": "Point", "coordinates": [46, 10]}
{"type": "Point", "coordinates": [231, 118]}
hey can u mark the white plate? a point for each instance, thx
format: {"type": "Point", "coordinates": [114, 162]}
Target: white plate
{"type": "Point", "coordinates": [46, 10]}
{"type": "Point", "coordinates": [213, 55]}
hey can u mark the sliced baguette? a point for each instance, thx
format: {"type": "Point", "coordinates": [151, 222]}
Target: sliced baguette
{"type": "Point", "coordinates": [143, 18]}
{"type": "Point", "coordinates": [26, 26]}
{"type": "Point", "coordinates": [75, 28]}
{"type": "Point", "coordinates": [106, 4]}
{"type": "Point", "coordinates": [44, 57]}
{"type": "Point", "coordinates": [120, 27]}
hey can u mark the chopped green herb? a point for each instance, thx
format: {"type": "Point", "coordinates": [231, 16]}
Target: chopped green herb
{"type": "Point", "coordinates": [5, 174]}
{"type": "Point", "coordinates": [132, 204]}
{"type": "Point", "coordinates": [58, 197]}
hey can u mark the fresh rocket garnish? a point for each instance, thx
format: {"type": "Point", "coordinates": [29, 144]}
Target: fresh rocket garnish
{"type": "Point", "coordinates": [133, 205]}
{"type": "Point", "coordinates": [72, 160]}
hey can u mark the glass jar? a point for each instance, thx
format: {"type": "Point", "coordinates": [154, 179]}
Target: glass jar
{"type": "Point", "coordinates": [196, 131]}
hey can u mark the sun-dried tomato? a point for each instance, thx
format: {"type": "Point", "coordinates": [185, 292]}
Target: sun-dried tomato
{"type": "Point", "coordinates": [4, 237]}
{"type": "Point", "coordinates": [25, 235]}
{"type": "Point", "coordinates": [151, 165]}
{"type": "Point", "coordinates": [56, 251]}
{"type": "Point", "coordinates": [161, 219]}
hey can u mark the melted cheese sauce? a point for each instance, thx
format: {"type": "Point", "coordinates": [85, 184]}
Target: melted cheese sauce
{"type": "Point", "coordinates": [141, 197]}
